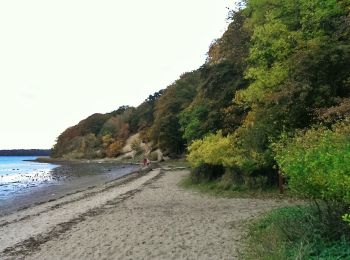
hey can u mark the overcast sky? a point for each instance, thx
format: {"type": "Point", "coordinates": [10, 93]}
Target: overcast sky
{"type": "Point", "coordinates": [61, 61]}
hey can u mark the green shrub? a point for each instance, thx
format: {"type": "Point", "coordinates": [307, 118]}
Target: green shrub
{"type": "Point", "coordinates": [317, 162]}
{"type": "Point", "coordinates": [229, 180]}
{"type": "Point", "coordinates": [206, 172]}
{"type": "Point", "coordinates": [255, 182]}
{"type": "Point", "coordinates": [240, 166]}
{"type": "Point", "coordinates": [214, 149]}
{"type": "Point", "coordinates": [346, 218]}
{"type": "Point", "coordinates": [294, 233]}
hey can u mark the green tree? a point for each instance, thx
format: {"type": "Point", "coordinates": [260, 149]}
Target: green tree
{"type": "Point", "coordinates": [165, 130]}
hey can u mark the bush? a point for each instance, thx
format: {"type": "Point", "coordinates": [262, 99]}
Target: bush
{"type": "Point", "coordinates": [346, 218]}
{"type": "Point", "coordinates": [240, 166]}
{"type": "Point", "coordinates": [206, 172]}
{"type": "Point", "coordinates": [214, 149]}
{"type": "Point", "coordinates": [136, 146]}
{"type": "Point", "coordinates": [317, 162]}
{"type": "Point", "coordinates": [258, 182]}
{"type": "Point", "coordinates": [229, 180]}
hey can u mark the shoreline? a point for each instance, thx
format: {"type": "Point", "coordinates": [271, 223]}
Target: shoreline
{"type": "Point", "coordinates": [78, 161]}
{"type": "Point", "coordinates": [143, 215]}
{"type": "Point", "coordinates": [126, 177]}
{"type": "Point", "coordinates": [65, 179]}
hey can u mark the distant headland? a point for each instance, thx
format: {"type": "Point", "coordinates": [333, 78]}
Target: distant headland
{"type": "Point", "coordinates": [26, 152]}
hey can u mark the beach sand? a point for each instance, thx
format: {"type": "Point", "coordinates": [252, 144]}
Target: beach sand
{"type": "Point", "coordinates": [140, 216]}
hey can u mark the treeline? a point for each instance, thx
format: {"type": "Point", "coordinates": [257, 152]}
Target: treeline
{"type": "Point", "coordinates": [104, 135]}
{"type": "Point", "coordinates": [273, 95]}
{"type": "Point", "coordinates": [279, 67]}
{"type": "Point", "coordinates": [25, 152]}
{"type": "Point", "coordinates": [297, 76]}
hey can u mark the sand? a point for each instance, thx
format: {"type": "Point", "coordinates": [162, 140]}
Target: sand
{"type": "Point", "coordinates": [141, 216]}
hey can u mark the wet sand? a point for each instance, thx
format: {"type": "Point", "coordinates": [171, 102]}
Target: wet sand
{"type": "Point", "coordinates": [140, 216]}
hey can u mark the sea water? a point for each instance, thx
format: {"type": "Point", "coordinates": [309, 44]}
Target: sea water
{"type": "Point", "coordinates": [20, 172]}
{"type": "Point", "coordinates": [24, 182]}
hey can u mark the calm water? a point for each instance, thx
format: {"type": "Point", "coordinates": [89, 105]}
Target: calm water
{"type": "Point", "coordinates": [17, 173]}
{"type": "Point", "coordinates": [24, 183]}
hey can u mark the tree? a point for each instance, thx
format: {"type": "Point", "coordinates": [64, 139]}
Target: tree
{"type": "Point", "coordinates": [166, 132]}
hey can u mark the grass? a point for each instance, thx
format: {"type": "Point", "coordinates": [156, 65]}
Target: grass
{"type": "Point", "coordinates": [173, 163]}
{"type": "Point", "coordinates": [293, 233]}
{"type": "Point", "coordinates": [214, 188]}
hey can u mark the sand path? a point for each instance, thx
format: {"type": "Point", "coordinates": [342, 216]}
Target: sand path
{"type": "Point", "coordinates": [147, 217]}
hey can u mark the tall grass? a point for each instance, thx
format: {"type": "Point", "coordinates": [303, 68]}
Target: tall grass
{"type": "Point", "coordinates": [295, 233]}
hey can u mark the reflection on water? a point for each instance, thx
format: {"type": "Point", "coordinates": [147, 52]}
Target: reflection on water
{"type": "Point", "coordinates": [23, 183]}
{"type": "Point", "coordinates": [18, 173]}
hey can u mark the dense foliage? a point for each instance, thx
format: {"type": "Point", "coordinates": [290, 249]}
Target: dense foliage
{"type": "Point", "coordinates": [294, 233]}
{"type": "Point", "coordinates": [165, 131]}
{"type": "Point", "coordinates": [297, 68]}
{"type": "Point", "coordinates": [279, 67]}
{"type": "Point", "coordinates": [298, 72]}
{"type": "Point", "coordinates": [199, 102]}
{"type": "Point", "coordinates": [317, 162]}
{"type": "Point", "coordinates": [273, 94]}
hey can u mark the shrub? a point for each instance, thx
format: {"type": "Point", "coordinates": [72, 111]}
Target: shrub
{"type": "Point", "coordinates": [258, 182]}
{"type": "Point", "coordinates": [317, 162]}
{"type": "Point", "coordinates": [136, 146]}
{"type": "Point", "coordinates": [346, 218]}
{"type": "Point", "coordinates": [240, 164]}
{"type": "Point", "coordinates": [230, 180]}
{"type": "Point", "coordinates": [216, 149]}
{"type": "Point", "coordinates": [206, 172]}
{"type": "Point", "coordinates": [294, 233]}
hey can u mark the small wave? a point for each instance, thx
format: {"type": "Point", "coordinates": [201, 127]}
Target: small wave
{"type": "Point", "coordinates": [35, 176]}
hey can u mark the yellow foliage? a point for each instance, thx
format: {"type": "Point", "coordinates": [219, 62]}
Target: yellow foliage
{"type": "Point", "coordinates": [107, 140]}
{"type": "Point", "coordinates": [214, 149]}
{"type": "Point", "coordinates": [114, 149]}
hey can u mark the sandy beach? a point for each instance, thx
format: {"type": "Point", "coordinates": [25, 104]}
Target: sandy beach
{"type": "Point", "coordinates": [139, 216]}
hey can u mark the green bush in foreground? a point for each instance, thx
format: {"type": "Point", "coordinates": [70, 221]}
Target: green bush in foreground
{"type": "Point", "coordinates": [346, 218]}
{"type": "Point", "coordinates": [317, 162]}
{"type": "Point", "coordinates": [294, 233]}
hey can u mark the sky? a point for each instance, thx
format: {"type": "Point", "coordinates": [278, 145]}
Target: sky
{"type": "Point", "coordinates": [61, 61]}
